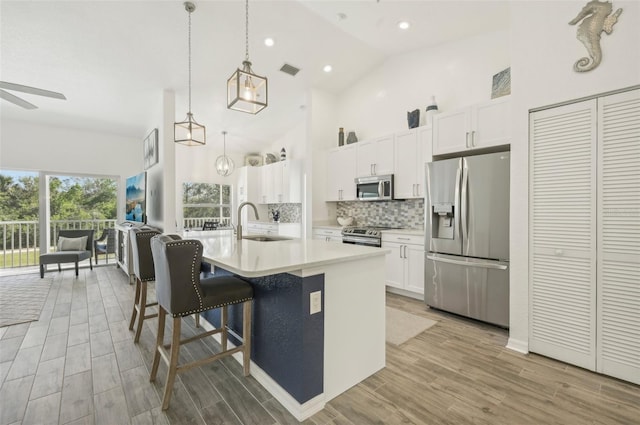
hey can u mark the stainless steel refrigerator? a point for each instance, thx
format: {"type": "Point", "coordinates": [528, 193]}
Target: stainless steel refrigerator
{"type": "Point", "coordinates": [467, 237]}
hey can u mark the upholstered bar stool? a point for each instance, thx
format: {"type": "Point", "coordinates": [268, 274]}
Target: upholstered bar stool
{"type": "Point", "coordinates": [144, 272]}
{"type": "Point", "coordinates": [182, 291]}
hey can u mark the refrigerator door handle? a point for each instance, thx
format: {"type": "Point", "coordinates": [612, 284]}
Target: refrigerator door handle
{"type": "Point", "coordinates": [464, 207]}
{"type": "Point", "coordinates": [484, 265]}
{"type": "Point", "coordinates": [456, 206]}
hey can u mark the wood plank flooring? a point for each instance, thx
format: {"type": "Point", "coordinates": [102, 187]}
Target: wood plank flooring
{"type": "Point", "coordinates": [78, 365]}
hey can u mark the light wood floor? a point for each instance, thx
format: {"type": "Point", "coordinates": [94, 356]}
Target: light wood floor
{"type": "Point", "coordinates": [78, 365]}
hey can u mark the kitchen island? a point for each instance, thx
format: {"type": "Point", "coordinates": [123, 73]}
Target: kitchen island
{"type": "Point", "coordinates": [305, 359]}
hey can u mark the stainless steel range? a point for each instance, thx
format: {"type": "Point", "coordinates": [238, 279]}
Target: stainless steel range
{"type": "Point", "coordinates": [366, 235]}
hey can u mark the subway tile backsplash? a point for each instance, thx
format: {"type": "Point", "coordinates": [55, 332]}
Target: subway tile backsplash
{"type": "Point", "coordinates": [406, 214]}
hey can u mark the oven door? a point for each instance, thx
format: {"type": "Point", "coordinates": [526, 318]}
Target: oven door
{"type": "Point", "coordinates": [361, 240]}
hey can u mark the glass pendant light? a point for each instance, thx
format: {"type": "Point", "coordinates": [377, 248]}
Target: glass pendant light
{"type": "Point", "coordinates": [246, 91]}
{"type": "Point", "coordinates": [189, 132]}
{"type": "Point", "coordinates": [224, 164]}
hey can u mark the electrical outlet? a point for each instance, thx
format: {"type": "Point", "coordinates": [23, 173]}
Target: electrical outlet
{"type": "Point", "coordinates": [315, 302]}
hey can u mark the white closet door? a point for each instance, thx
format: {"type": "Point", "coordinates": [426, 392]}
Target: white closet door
{"type": "Point", "coordinates": [563, 233]}
{"type": "Point", "coordinates": [619, 236]}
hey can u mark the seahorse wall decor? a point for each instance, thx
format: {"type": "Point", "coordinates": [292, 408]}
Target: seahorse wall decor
{"type": "Point", "coordinates": [596, 17]}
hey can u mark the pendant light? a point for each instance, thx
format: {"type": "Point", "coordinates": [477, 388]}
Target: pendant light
{"type": "Point", "coordinates": [224, 164]}
{"type": "Point", "coordinates": [189, 132]}
{"type": "Point", "coordinates": [246, 91]}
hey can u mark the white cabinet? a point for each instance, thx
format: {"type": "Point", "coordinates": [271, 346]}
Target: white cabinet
{"type": "Point", "coordinates": [327, 234]}
{"type": "Point", "coordinates": [375, 157]}
{"type": "Point", "coordinates": [261, 228]}
{"type": "Point", "coordinates": [412, 152]}
{"type": "Point", "coordinates": [341, 173]}
{"type": "Point", "coordinates": [248, 190]}
{"type": "Point", "coordinates": [404, 268]}
{"type": "Point", "coordinates": [281, 182]}
{"type": "Point", "coordinates": [584, 242]}
{"type": "Point", "coordinates": [480, 126]}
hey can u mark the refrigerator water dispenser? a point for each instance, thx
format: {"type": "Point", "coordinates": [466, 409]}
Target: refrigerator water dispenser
{"type": "Point", "coordinates": [442, 221]}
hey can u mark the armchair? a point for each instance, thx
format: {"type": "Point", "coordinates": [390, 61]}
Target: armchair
{"type": "Point", "coordinates": [106, 244]}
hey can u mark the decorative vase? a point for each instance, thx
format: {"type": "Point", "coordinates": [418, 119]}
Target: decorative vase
{"type": "Point", "coordinates": [340, 136]}
{"type": "Point", "coordinates": [431, 110]}
{"type": "Point", "coordinates": [351, 138]}
{"type": "Point", "coordinates": [283, 154]}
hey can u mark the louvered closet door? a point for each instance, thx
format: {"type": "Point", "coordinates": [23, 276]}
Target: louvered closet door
{"type": "Point", "coordinates": [619, 236]}
{"type": "Point", "coordinates": [563, 233]}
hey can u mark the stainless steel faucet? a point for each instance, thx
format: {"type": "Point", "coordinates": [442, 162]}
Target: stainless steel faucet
{"type": "Point", "coordinates": [239, 227]}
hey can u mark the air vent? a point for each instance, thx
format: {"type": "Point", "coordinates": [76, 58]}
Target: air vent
{"type": "Point", "coordinates": [289, 69]}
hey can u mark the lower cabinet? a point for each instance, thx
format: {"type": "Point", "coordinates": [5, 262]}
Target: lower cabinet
{"type": "Point", "coordinates": [327, 234]}
{"type": "Point", "coordinates": [405, 263]}
{"type": "Point", "coordinates": [292, 230]}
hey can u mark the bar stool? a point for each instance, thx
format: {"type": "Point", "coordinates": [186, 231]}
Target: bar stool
{"type": "Point", "coordinates": [181, 291]}
{"type": "Point", "coordinates": [144, 272]}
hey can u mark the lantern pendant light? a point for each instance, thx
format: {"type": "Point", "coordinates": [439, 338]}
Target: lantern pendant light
{"type": "Point", "coordinates": [224, 164]}
{"type": "Point", "coordinates": [189, 132]}
{"type": "Point", "coordinates": [246, 91]}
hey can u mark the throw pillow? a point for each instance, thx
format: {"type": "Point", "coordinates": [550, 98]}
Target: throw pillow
{"type": "Point", "coordinates": [72, 244]}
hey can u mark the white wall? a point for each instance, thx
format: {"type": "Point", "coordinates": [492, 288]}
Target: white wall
{"type": "Point", "coordinates": [457, 74]}
{"type": "Point", "coordinates": [35, 147]}
{"type": "Point", "coordinates": [323, 134]}
{"type": "Point", "coordinates": [543, 50]}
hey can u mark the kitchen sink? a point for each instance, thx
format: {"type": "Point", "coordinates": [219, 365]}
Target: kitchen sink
{"type": "Point", "coordinates": [264, 238]}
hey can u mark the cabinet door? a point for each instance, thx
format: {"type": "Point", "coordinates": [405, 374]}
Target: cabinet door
{"type": "Point", "coordinates": [347, 173]}
{"type": "Point", "coordinates": [491, 124]}
{"type": "Point", "coordinates": [366, 158]}
{"type": "Point", "coordinates": [618, 323]}
{"type": "Point", "coordinates": [451, 131]}
{"type": "Point", "coordinates": [415, 268]}
{"type": "Point", "coordinates": [562, 233]}
{"type": "Point", "coordinates": [425, 146]}
{"type": "Point", "coordinates": [406, 175]}
{"type": "Point", "coordinates": [341, 174]}
{"type": "Point", "coordinates": [394, 264]}
{"type": "Point", "coordinates": [384, 155]}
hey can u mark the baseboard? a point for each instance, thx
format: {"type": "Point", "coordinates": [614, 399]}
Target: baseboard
{"type": "Point", "coordinates": [405, 293]}
{"type": "Point", "coordinates": [300, 411]}
{"type": "Point", "coordinates": [517, 345]}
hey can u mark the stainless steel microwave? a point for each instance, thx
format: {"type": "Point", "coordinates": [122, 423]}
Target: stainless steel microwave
{"type": "Point", "coordinates": [374, 188]}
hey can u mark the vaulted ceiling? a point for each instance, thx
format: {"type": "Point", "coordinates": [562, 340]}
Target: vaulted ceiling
{"type": "Point", "coordinates": [112, 59]}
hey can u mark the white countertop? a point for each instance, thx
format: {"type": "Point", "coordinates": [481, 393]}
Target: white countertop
{"type": "Point", "coordinates": [254, 259]}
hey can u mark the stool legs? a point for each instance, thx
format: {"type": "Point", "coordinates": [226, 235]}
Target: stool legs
{"type": "Point", "coordinates": [246, 336]}
{"type": "Point", "coordinates": [162, 314]}
{"type": "Point", "coordinates": [136, 300]}
{"type": "Point", "coordinates": [139, 308]}
{"type": "Point", "coordinates": [171, 356]}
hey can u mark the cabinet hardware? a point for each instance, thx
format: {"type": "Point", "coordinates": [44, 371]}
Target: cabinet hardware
{"type": "Point", "coordinates": [473, 138]}
{"type": "Point", "coordinates": [405, 251]}
{"type": "Point", "coordinates": [400, 251]}
{"type": "Point", "coordinates": [466, 139]}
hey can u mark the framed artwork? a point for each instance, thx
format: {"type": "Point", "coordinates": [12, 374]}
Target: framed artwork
{"type": "Point", "coordinates": [501, 84]}
{"type": "Point", "coordinates": [150, 149]}
{"type": "Point", "coordinates": [253, 160]}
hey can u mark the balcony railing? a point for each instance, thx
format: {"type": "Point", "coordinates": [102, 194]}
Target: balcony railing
{"type": "Point", "coordinates": [20, 240]}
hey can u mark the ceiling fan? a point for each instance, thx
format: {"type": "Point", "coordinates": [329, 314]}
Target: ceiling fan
{"type": "Point", "coordinates": [25, 89]}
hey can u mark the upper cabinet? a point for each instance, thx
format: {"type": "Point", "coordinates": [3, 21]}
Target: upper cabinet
{"type": "Point", "coordinates": [341, 173]}
{"type": "Point", "coordinates": [480, 126]}
{"type": "Point", "coordinates": [281, 182]}
{"type": "Point", "coordinates": [412, 150]}
{"type": "Point", "coordinates": [375, 157]}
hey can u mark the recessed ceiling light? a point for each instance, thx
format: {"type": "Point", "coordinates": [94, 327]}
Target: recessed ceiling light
{"type": "Point", "coordinates": [403, 25]}
{"type": "Point", "coordinates": [327, 68]}
{"type": "Point", "coordinates": [269, 41]}
{"type": "Point", "coordinates": [341, 16]}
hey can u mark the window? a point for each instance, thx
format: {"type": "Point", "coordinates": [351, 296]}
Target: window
{"type": "Point", "coordinates": [205, 202]}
